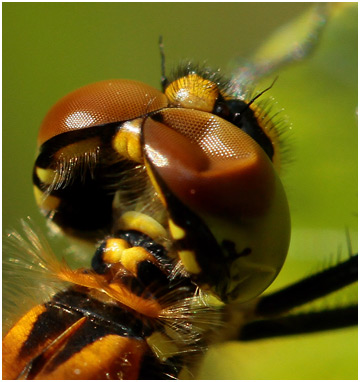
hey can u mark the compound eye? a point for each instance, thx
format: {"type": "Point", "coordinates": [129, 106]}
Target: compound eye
{"type": "Point", "coordinates": [209, 163]}
{"type": "Point", "coordinates": [87, 141]}
{"type": "Point", "coordinates": [100, 103]}
{"type": "Point", "coordinates": [255, 121]}
{"type": "Point", "coordinates": [203, 163]}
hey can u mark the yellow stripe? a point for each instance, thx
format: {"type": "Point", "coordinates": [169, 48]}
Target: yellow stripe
{"type": "Point", "coordinates": [154, 183]}
{"type": "Point", "coordinates": [176, 231]}
{"type": "Point", "coordinates": [12, 363]}
{"type": "Point", "coordinates": [45, 175]}
{"type": "Point", "coordinates": [189, 261]}
{"type": "Point", "coordinates": [88, 148]}
{"type": "Point", "coordinates": [86, 365]}
{"type": "Point", "coordinates": [48, 203]}
{"type": "Point", "coordinates": [143, 223]}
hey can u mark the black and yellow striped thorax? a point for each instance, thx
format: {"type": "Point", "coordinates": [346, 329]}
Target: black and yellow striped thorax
{"type": "Point", "coordinates": [129, 317]}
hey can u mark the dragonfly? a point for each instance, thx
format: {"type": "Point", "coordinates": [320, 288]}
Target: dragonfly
{"type": "Point", "coordinates": [178, 258]}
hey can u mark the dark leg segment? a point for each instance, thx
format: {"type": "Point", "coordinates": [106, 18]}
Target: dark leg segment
{"type": "Point", "coordinates": [270, 318]}
{"type": "Point", "coordinates": [300, 324]}
{"type": "Point", "coordinates": [309, 289]}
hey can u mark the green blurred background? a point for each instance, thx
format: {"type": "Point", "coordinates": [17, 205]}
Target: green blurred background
{"type": "Point", "coordinates": [50, 49]}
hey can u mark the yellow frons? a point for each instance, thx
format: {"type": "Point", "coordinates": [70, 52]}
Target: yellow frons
{"type": "Point", "coordinates": [127, 141]}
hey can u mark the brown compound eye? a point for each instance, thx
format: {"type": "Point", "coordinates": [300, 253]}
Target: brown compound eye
{"type": "Point", "coordinates": [88, 140]}
{"type": "Point", "coordinates": [228, 211]}
{"type": "Point", "coordinates": [198, 88]}
{"type": "Point", "coordinates": [209, 163]}
{"type": "Point", "coordinates": [98, 104]}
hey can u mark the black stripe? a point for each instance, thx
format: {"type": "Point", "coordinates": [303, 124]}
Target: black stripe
{"type": "Point", "coordinates": [65, 308]}
{"type": "Point", "coordinates": [50, 324]}
{"type": "Point", "coordinates": [49, 148]}
{"type": "Point", "coordinates": [89, 333]}
{"type": "Point", "coordinates": [87, 194]}
{"type": "Point", "coordinates": [118, 320]}
{"type": "Point", "coordinates": [198, 239]}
